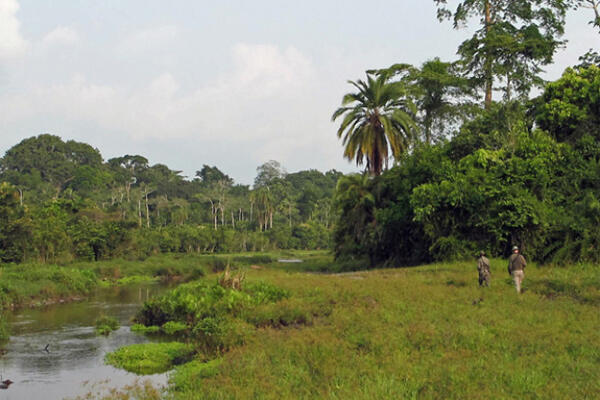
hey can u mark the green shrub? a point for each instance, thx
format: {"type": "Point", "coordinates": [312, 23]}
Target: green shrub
{"type": "Point", "coordinates": [217, 264]}
{"type": "Point", "coordinates": [139, 328]}
{"type": "Point", "coordinates": [263, 292]}
{"type": "Point", "coordinates": [191, 303]}
{"type": "Point", "coordinates": [105, 325]}
{"type": "Point", "coordinates": [217, 334]}
{"type": "Point", "coordinates": [172, 327]}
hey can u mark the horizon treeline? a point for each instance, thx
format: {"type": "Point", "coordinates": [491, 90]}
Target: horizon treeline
{"type": "Point", "coordinates": [60, 201]}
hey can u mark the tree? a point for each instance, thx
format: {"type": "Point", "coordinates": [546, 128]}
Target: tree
{"type": "Point", "coordinates": [15, 232]}
{"type": "Point", "coordinates": [592, 56]}
{"type": "Point", "coordinates": [211, 175]}
{"type": "Point", "coordinates": [129, 169]}
{"type": "Point", "coordinates": [377, 120]}
{"type": "Point", "coordinates": [442, 96]}
{"type": "Point", "coordinates": [593, 5]}
{"type": "Point", "coordinates": [516, 38]}
{"type": "Point", "coordinates": [355, 203]}
{"type": "Point", "coordinates": [267, 173]}
{"type": "Point", "coordinates": [47, 162]}
{"type": "Point", "coordinates": [263, 198]}
{"type": "Point", "coordinates": [570, 107]}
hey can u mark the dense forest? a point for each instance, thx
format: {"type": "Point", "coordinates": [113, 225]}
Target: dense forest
{"type": "Point", "coordinates": [477, 161]}
{"type": "Point", "coordinates": [60, 201]}
{"type": "Point", "coordinates": [478, 153]}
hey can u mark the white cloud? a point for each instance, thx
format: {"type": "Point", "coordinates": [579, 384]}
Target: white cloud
{"type": "Point", "coordinates": [61, 36]}
{"type": "Point", "coordinates": [12, 44]}
{"type": "Point", "coordinates": [255, 97]}
{"type": "Point", "coordinates": [269, 68]}
{"type": "Point", "coordinates": [270, 105]}
{"type": "Point", "coordinates": [148, 40]}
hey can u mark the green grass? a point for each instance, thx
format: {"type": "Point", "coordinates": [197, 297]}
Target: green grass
{"type": "Point", "coordinates": [426, 332]}
{"type": "Point", "coordinates": [34, 284]}
{"type": "Point", "coordinates": [139, 328]}
{"type": "Point", "coordinates": [297, 331]}
{"type": "Point", "coordinates": [38, 284]}
{"type": "Point", "coordinates": [150, 358]}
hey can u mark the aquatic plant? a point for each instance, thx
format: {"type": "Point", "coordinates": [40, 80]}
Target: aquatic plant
{"type": "Point", "coordinates": [150, 358]}
{"type": "Point", "coordinates": [105, 325]}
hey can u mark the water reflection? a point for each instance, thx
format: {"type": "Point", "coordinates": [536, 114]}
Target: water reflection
{"type": "Point", "coordinates": [75, 354]}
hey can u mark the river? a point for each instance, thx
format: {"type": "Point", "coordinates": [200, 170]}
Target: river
{"type": "Point", "coordinates": [73, 364]}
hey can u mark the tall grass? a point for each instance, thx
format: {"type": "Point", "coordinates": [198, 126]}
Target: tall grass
{"type": "Point", "coordinates": [425, 332]}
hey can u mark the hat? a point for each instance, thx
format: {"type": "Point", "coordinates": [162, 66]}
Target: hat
{"type": "Point", "coordinates": [515, 248]}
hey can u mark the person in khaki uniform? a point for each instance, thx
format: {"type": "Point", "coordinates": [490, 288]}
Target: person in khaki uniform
{"type": "Point", "coordinates": [483, 267]}
{"type": "Point", "coordinates": [516, 267]}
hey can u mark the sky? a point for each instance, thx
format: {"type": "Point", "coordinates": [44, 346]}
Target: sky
{"type": "Point", "coordinates": [227, 83]}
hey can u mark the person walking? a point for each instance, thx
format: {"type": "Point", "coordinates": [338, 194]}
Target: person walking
{"type": "Point", "coordinates": [483, 267]}
{"type": "Point", "coordinates": [516, 267]}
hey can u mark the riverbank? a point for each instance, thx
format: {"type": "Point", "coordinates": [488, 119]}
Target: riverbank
{"type": "Point", "coordinates": [423, 332]}
{"type": "Point", "coordinates": [37, 285]}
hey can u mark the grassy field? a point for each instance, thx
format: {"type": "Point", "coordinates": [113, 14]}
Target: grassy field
{"type": "Point", "coordinates": [424, 332]}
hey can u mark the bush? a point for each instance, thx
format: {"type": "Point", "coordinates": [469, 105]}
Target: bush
{"type": "Point", "coordinates": [217, 334]}
{"type": "Point", "coordinates": [139, 328]}
{"type": "Point", "coordinates": [105, 325]}
{"type": "Point", "coordinates": [172, 327]}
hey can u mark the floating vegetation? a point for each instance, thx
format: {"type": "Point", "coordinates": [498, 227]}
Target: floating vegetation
{"type": "Point", "coordinates": [105, 325]}
{"type": "Point", "coordinates": [150, 358]}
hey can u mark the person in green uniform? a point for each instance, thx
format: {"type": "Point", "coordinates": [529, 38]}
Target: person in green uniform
{"type": "Point", "coordinates": [516, 267]}
{"type": "Point", "coordinates": [483, 267]}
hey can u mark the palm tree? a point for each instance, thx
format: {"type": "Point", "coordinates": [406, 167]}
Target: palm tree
{"type": "Point", "coordinates": [377, 118]}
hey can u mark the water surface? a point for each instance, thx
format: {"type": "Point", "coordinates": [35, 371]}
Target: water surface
{"type": "Point", "coordinates": [74, 361]}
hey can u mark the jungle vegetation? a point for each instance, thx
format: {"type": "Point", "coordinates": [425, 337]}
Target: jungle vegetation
{"type": "Point", "coordinates": [60, 201]}
{"type": "Point", "coordinates": [492, 155]}
{"type": "Point", "coordinates": [460, 155]}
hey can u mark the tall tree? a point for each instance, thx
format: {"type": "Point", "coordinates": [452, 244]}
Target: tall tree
{"type": "Point", "coordinates": [211, 175]}
{"type": "Point", "coordinates": [267, 173]}
{"type": "Point", "coordinates": [513, 33]}
{"type": "Point", "coordinates": [377, 120]}
{"type": "Point", "coordinates": [46, 159]}
{"type": "Point", "coordinates": [593, 5]}
{"type": "Point", "coordinates": [592, 56]}
{"type": "Point", "coordinates": [442, 96]}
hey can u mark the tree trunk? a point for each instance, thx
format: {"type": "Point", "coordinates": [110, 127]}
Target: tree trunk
{"type": "Point", "coordinates": [508, 82]}
{"type": "Point", "coordinates": [147, 211]}
{"type": "Point", "coordinates": [140, 212]}
{"type": "Point", "coordinates": [489, 80]}
{"type": "Point", "coordinates": [127, 190]}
